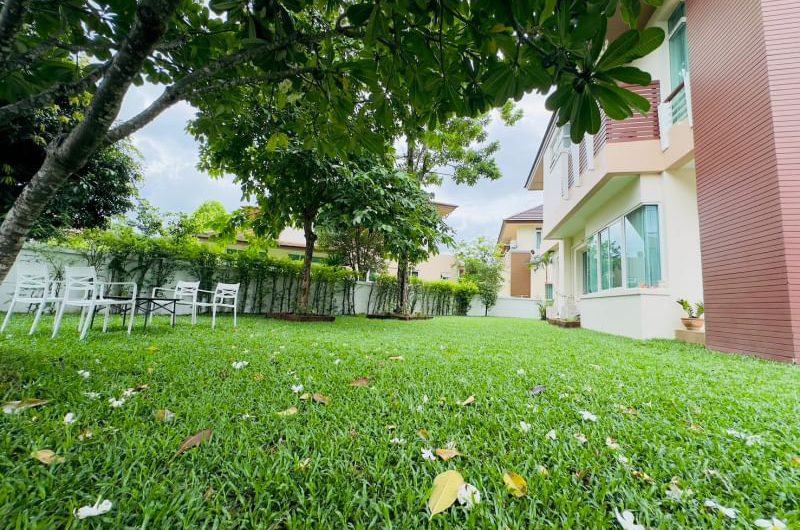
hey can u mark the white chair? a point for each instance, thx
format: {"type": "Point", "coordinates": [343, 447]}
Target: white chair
{"type": "Point", "coordinates": [225, 295]}
{"type": "Point", "coordinates": [33, 287]}
{"type": "Point", "coordinates": [185, 292]}
{"type": "Point", "coordinates": [82, 289]}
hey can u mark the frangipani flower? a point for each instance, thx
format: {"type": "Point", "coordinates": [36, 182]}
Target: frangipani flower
{"type": "Point", "coordinates": [469, 496]}
{"type": "Point", "coordinates": [427, 454]}
{"type": "Point", "coordinates": [425, 398]}
{"type": "Point", "coordinates": [520, 372]}
{"type": "Point", "coordinates": [99, 508]}
{"type": "Point", "coordinates": [92, 395]}
{"type": "Point", "coordinates": [116, 403]}
{"type": "Point", "coordinates": [69, 418]}
{"type": "Point", "coordinates": [580, 437]}
{"type": "Point", "coordinates": [771, 524]}
{"type": "Point", "coordinates": [626, 521]}
{"type": "Point", "coordinates": [524, 426]}
{"type": "Point", "coordinates": [588, 416]}
{"type": "Point", "coordinates": [749, 439]}
{"type": "Point", "coordinates": [551, 434]}
{"type": "Point", "coordinates": [337, 361]}
{"type": "Point", "coordinates": [238, 365]}
{"type": "Point", "coordinates": [611, 443]}
{"type": "Point", "coordinates": [676, 494]}
{"type": "Point", "coordinates": [397, 441]}
{"type": "Point", "coordinates": [84, 373]}
{"type": "Point", "coordinates": [727, 512]}
{"type": "Point", "coordinates": [297, 388]}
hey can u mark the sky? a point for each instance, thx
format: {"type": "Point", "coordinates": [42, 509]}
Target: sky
{"type": "Point", "coordinates": [172, 181]}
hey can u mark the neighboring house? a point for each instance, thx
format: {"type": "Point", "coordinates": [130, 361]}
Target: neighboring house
{"type": "Point", "coordinates": [521, 241]}
{"type": "Point", "coordinates": [438, 267]}
{"type": "Point", "coordinates": [711, 171]}
{"type": "Point", "coordinates": [291, 243]}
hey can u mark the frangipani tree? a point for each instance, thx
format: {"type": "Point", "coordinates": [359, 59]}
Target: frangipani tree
{"type": "Point", "coordinates": [394, 62]}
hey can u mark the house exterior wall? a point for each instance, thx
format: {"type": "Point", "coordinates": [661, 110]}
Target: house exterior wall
{"type": "Point", "coordinates": [432, 269]}
{"type": "Point", "coordinates": [747, 113]}
{"type": "Point", "coordinates": [519, 280]}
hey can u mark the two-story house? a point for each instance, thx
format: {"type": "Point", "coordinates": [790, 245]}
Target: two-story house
{"type": "Point", "coordinates": [521, 242]}
{"type": "Point", "coordinates": [700, 198]}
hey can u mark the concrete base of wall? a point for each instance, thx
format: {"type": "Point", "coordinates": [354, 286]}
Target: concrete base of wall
{"type": "Point", "coordinates": [690, 336]}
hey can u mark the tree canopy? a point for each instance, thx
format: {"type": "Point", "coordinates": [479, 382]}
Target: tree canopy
{"type": "Point", "coordinates": [483, 265]}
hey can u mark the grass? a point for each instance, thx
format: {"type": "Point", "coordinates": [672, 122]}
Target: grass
{"type": "Point", "coordinates": [669, 406]}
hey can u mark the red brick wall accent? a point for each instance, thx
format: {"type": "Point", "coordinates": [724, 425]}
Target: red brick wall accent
{"type": "Point", "coordinates": [744, 79]}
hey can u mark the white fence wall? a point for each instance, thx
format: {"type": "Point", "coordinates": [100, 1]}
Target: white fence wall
{"type": "Point", "coordinates": [506, 307]}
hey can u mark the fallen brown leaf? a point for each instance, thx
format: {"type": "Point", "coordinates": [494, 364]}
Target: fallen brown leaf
{"type": "Point", "coordinates": [322, 399]}
{"type": "Point", "coordinates": [15, 407]}
{"type": "Point", "coordinates": [361, 381]}
{"type": "Point", "coordinates": [194, 440]}
{"type": "Point", "coordinates": [423, 433]}
{"type": "Point", "coordinates": [259, 376]}
{"type": "Point", "coordinates": [447, 454]}
{"type": "Point", "coordinates": [47, 457]}
{"type": "Point", "coordinates": [642, 475]}
{"type": "Point", "coordinates": [209, 493]}
{"type": "Point", "coordinates": [516, 484]}
{"type": "Point", "coordinates": [468, 401]}
{"type": "Point", "coordinates": [305, 396]}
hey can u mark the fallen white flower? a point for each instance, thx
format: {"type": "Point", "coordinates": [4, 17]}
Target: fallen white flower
{"type": "Point", "coordinates": [297, 388]}
{"type": "Point", "coordinates": [116, 403]}
{"type": "Point", "coordinates": [397, 441]}
{"type": "Point", "coordinates": [676, 494]}
{"type": "Point", "coordinates": [520, 372]}
{"type": "Point", "coordinates": [612, 443]}
{"type": "Point", "coordinates": [99, 508]}
{"type": "Point", "coordinates": [580, 437]}
{"type": "Point", "coordinates": [69, 418]}
{"type": "Point", "coordinates": [238, 365]}
{"type": "Point", "coordinates": [469, 496]}
{"type": "Point", "coordinates": [427, 454]}
{"type": "Point", "coordinates": [129, 392]}
{"type": "Point", "coordinates": [84, 373]}
{"type": "Point", "coordinates": [551, 434]}
{"type": "Point", "coordinates": [524, 426]}
{"type": "Point", "coordinates": [588, 416]}
{"type": "Point", "coordinates": [771, 524]}
{"type": "Point", "coordinates": [727, 512]}
{"type": "Point", "coordinates": [425, 398]}
{"type": "Point", "coordinates": [622, 459]}
{"type": "Point", "coordinates": [92, 395]}
{"type": "Point", "coordinates": [337, 361]}
{"type": "Point", "coordinates": [626, 521]}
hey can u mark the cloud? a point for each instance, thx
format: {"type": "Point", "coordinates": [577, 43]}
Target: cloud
{"type": "Point", "coordinates": [173, 182]}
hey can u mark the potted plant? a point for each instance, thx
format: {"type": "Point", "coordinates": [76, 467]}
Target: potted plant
{"type": "Point", "coordinates": [693, 314]}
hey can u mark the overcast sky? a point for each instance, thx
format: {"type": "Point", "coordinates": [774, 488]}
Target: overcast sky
{"type": "Point", "coordinates": [173, 182]}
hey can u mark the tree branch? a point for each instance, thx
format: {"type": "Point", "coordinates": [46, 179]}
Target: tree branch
{"type": "Point", "coordinates": [26, 106]}
{"type": "Point", "coordinates": [11, 18]}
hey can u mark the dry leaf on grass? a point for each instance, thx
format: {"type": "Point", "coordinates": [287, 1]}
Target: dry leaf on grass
{"type": "Point", "coordinates": [291, 411]}
{"type": "Point", "coordinates": [397, 358]}
{"type": "Point", "coordinates": [322, 399]}
{"type": "Point", "coordinates": [445, 491]}
{"type": "Point", "coordinates": [305, 396]}
{"type": "Point", "coordinates": [423, 433]}
{"type": "Point", "coordinates": [361, 381]}
{"type": "Point", "coordinates": [517, 486]}
{"type": "Point", "coordinates": [468, 401]}
{"type": "Point", "coordinates": [194, 440]}
{"type": "Point", "coordinates": [165, 415]}
{"type": "Point", "coordinates": [391, 427]}
{"type": "Point", "coordinates": [258, 377]}
{"type": "Point", "coordinates": [447, 454]}
{"type": "Point", "coordinates": [304, 463]}
{"type": "Point", "coordinates": [15, 407]}
{"type": "Point", "coordinates": [46, 456]}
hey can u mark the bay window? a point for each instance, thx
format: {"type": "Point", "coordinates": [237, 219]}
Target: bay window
{"type": "Point", "coordinates": [628, 248]}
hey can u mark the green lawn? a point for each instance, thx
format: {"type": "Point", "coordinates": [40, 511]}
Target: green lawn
{"type": "Point", "coordinates": [670, 408]}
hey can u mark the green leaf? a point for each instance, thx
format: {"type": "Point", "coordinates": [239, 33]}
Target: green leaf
{"type": "Point", "coordinates": [629, 74]}
{"type": "Point", "coordinates": [547, 10]}
{"type": "Point", "coordinates": [277, 141]}
{"type": "Point", "coordinates": [649, 40]}
{"type": "Point", "coordinates": [631, 9]}
{"type": "Point", "coordinates": [357, 14]}
{"type": "Point", "coordinates": [632, 99]}
{"type": "Point", "coordinates": [614, 106]}
{"type": "Point", "coordinates": [617, 52]}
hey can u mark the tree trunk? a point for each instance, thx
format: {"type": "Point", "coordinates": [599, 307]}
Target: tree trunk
{"type": "Point", "coordinates": [305, 283]}
{"type": "Point", "coordinates": [12, 16]}
{"type": "Point", "coordinates": [402, 287]}
{"type": "Point", "coordinates": [68, 154]}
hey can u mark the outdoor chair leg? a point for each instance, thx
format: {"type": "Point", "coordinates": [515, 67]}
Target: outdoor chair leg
{"type": "Point", "coordinates": [234, 316]}
{"type": "Point", "coordinates": [8, 315]}
{"type": "Point", "coordinates": [87, 322]}
{"type": "Point", "coordinates": [130, 322]}
{"type": "Point", "coordinates": [105, 318]}
{"type": "Point", "coordinates": [194, 314]}
{"type": "Point", "coordinates": [38, 317]}
{"type": "Point", "coordinates": [80, 322]}
{"type": "Point", "coordinates": [57, 322]}
{"type": "Point", "coordinates": [213, 316]}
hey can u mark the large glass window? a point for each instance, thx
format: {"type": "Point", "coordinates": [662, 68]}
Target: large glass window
{"type": "Point", "coordinates": [636, 238]}
{"type": "Point", "coordinates": [643, 247]}
{"type": "Point", "coordinates": [678, 45]}
{"type": "Point", "coordinates": [590, 266]}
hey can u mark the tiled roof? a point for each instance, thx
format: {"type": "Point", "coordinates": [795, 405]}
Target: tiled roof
{"type": "Point", "coordinates": [533, 214]}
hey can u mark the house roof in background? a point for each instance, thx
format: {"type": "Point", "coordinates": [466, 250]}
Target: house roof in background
{"type": "Point", "coordinates": [444, 208]}
{"type": "Point", "coordinates": [531, 214]}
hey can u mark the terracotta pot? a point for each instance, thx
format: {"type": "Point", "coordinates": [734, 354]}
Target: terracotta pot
{"type": "Point", "coordinates": [693, 323]}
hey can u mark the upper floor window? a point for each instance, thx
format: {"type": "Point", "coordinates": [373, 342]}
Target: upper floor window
{"type": "Point", "coordinates": [628, 248]}
{"type": "Point", "coordinates": [678, 45]}
{"type": "Point", "coordinates": [538, 241]}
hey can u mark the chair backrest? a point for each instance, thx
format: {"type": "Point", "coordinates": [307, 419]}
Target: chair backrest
{"type": "Point", "coordinates": [226, 293]}
{"type": "Point", "coordinates": [33, 276]}
{"type": "Point", "coordinates": [80, 282]}
{"type": "Point", "coordinates": [186, 290]}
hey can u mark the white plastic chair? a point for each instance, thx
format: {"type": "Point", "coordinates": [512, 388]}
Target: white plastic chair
{"type": "Point", "coordinates": [225, 295]}
{"type": "Point", "coordinates": [33, 287]}
{"type": "Point", "coordinates": [185, 292]}
{"type": "Point", "coordinates": [82, 289]}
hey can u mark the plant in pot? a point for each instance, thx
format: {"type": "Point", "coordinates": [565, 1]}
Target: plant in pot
{"type": "Point", "coordinates": [693, 314]}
